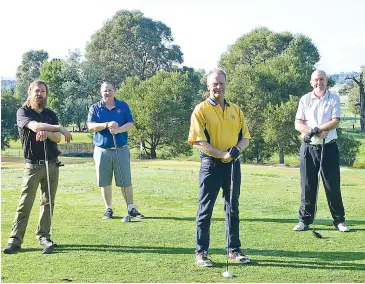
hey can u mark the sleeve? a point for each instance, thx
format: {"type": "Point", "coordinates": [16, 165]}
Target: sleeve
{"type": "Point", "coordinates": [128, 114]}
{"type": "Point", "coordinates": [91, 116]}
{"type": "Point", "coordinates": [54, 118]}
{"type": "Point", "coordinates": [336, 112]}
{"type": "Point", "coordinates": [22, 118]}
{"type": "Point", "coordinates": [245, 130]}
{"type": "Point", "coordinates": [300, 112]}
{"type": "Point", "coordinates": [197, 126]}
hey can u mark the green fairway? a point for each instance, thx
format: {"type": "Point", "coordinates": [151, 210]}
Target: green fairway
{"type": "Point", "coordinates": [161, 247]}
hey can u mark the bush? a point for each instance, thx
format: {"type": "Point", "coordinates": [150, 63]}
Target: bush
{"type": "Point", "coordinates": [348, 147]}
{"type": "Point", "coordinates": [9, 106]}
{"type": "Point", "coordinates": [359, 165]}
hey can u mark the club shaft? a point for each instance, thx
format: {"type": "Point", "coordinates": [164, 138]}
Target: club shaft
{"type": "Point", "coordinates": [319, 180]}
{"type": "Point", "coordinates": [49, 187]}
{"type": "Point", "coordinates": [118, 161]}
{"type": "Point", "coordinates": [230, 213]}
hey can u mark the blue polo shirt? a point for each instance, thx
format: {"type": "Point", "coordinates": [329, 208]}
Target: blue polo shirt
{"type": "Point", "coordinates": [120, 113]}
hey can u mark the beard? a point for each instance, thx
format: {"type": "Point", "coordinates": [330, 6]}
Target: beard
{"type": "Point", "coordinates": [38, 102]}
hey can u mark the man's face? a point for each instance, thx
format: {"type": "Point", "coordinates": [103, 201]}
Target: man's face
{"type": "Point", "coordinates": [38, 96]}
{"type": "Point", "coordinates": [216, 85]}
{"type": "Point", "coordinates": [319, 82]}
{"type": "Point", "coordinates": [107, 92]}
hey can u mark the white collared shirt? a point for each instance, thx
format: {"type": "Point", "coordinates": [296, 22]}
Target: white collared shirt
{"type": "Point", "coordinates": [315, 111]}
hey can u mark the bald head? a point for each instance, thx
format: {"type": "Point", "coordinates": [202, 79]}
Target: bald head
{"type": "Point", "coordinates": [319, 82]}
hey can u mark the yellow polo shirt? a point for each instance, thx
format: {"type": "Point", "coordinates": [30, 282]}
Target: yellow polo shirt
{"type": "Point", "coordinates": [221, 129]}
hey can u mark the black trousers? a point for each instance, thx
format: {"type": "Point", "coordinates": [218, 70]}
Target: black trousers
{"type": "Point", "coordinates": [310, 156]}
{"type": "Point", "coordinates": [212, 177]}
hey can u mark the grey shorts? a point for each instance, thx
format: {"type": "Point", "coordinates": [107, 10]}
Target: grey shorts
{"type": "Point", "coordinates": [106, 163]}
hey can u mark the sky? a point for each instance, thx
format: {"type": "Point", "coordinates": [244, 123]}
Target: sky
{"type": "Point", "coordinates": [204, 29]}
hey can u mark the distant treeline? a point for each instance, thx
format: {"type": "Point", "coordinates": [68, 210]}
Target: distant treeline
{"type": "Point", "coordinates": [340, 78]}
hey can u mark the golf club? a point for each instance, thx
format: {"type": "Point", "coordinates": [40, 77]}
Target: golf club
{"type": "Point", "coordinates": [315, 233]}
{"type": "Point", "coordinates": [227, 274]}
{"type": "Point", "coordinates": [126, 218]}
{"type": "Point", "coordinates": [48, 249]}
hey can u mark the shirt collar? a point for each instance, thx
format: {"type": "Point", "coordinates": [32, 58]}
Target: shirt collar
{"type": "Point", "coordinates": [313, 96]}
{"type": "Point", "coordinates": [117, 103]}
{"type": "Point", "coordinates": [213, 102]}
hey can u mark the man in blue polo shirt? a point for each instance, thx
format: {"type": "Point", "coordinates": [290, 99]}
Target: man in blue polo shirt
{"type": "Point", "coordinates": [111, 117]}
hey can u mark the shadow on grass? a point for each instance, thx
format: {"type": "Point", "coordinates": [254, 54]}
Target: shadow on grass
{"type": "Point", "coordinates": [327, 222]}
{"type": "Point", "coordinates": [321, 260]}
{"type": "Point", "coordinates": [311, 265]}
{"type": "Point", "coordinates": [318, 222]}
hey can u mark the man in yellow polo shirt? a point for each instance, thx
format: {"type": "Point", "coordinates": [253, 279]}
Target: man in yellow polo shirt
{"type": "Point", "coordinates": [219, 131]}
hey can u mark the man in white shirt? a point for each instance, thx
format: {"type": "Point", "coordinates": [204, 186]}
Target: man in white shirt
{"type": "Point", "coordinates": [317, 118]}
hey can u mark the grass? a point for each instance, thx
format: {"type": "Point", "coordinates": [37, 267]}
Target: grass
{"type": "Point", "coordinates": [161, 247]}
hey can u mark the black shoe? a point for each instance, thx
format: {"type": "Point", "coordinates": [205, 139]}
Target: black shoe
{"type": "Point", "coordinates": [47, 244]}
{"type": "Point", "coordinates": [108, 214]}
{"type": "Point", "coordinates": [134, 213]}
{"type": "Point", "coordinates": [11, 248]}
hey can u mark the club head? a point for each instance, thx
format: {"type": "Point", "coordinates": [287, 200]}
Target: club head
{"type": "Point", "coordinates": [317, 235]}
{"type": "Point", "coordinates": [48, 250]}
{"type": "Point", "coordinates": [126, 219]}
{"type": "Point", "coordinates": [227, 274]}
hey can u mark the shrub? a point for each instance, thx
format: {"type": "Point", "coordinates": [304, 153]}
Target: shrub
{"type": "Point", "coordinates": [348, 147]}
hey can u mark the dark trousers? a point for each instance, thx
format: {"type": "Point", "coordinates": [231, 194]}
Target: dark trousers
{"type": "Point", "coordinates": [310, 157]}
{"type": "Point", "coordinates": [212, 177]}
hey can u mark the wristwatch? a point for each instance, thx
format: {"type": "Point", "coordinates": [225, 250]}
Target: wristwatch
{"type": "Point", "coordinates": [315, 130]}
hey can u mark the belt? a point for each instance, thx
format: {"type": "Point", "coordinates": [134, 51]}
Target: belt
{"type": "Point", "coordinates": [210, 160]}
{"type": "Point", "coordinates": [320, 145]}
{"type": "Point", "coordinates": [38, 162]}
{"type": "Point", "coordinates": [113, 148]}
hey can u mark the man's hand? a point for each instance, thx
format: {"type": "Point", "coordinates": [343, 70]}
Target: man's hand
{"type": "Point", "coordinates": [308, 137]}
{"type": "Point", "coordinates": [226, 157]}
{"type": "Point", "coordinates": [234, 152]}
{"type": "Point", "coordinates": [41, 135]}
{"type": "Point", "coordinates": [113, 127]}
{"type": "Point", "coordinates": [64, 132]}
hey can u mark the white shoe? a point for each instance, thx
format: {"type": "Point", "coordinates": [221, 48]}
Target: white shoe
{"type": "Point", "coordinates": [238, 257]}
{"type": "Point", "coordinates": [203, 260]}
{"type": "Point", "coordinates": [300, 227]}
{"type": "Point", "coordinates": [342, 227]}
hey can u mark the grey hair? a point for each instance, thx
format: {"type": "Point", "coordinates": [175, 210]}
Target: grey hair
{"type": "Point", "coordinates": [107, 83]}
{"type": "Point", "coordinates": [215, 71]}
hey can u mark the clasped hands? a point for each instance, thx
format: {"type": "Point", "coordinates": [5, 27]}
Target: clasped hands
{"type": "Point", "coordinates": [43, 135]}
{"type": "Point", "coordinates": [315, 131]}
{"type": "Point", "coordinates": [231, 154]}
{"type": "Point", "coordinates": [113, 127]}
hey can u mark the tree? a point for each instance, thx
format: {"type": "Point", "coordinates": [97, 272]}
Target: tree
{"type": "Point", "coordinates": [278, 127]}
{"type": "Point", "coordinates": [132, 45]}
{"type": "Point", "coordinates": [9, 107]}
{"type": "Point", "coordinates": [353, 101]}
{"type": "Point", "coordinates": [263, 68]}
{"type": "Point", "coordinates": [348, 148]}
{"type": "Point", "coordinates": [52, 73]}
{"type": "Point", "coordinates": [161, 107]}
{"type": "Point", "coordinates": [346, 88]}
{"type": "Point", "coordinates": [28, 71]}
{"type": "Point", "coordinates": [357, 103]}
{"type": "Point", "coordinates": [73, 87]}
